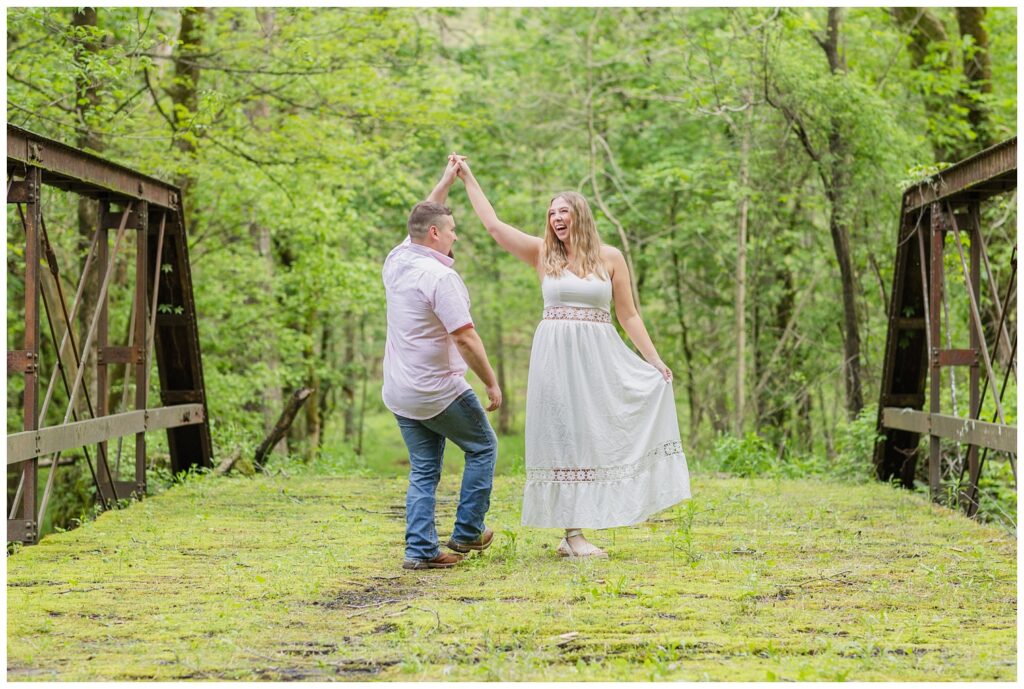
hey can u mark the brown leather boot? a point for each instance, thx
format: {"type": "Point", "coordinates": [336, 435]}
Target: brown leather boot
{"type": "Point", "coordinates": [481, 543]}
{"type": "Point", "coordinates": [441, 561]}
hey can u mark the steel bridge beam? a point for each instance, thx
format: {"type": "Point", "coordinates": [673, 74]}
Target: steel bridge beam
{"type": "Point", "coordinates": [70, 169]}
{"type": "Point", "coordinates": [985, 174]}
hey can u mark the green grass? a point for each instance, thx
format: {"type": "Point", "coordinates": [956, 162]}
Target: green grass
{"type": "Point", "coordinates": [298, 578]}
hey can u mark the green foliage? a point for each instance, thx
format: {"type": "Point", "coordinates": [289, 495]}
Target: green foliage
{"type": "Point", "coordinates": [747, 456]}
{"type": "Point", "coordinates": [304, 135]}
{"type": "Point", "coordinates": [753, 455]}
{"type": "Point", "coordinates": [998, 493]}
{"type": "Point", "coordinates": [855, 447]}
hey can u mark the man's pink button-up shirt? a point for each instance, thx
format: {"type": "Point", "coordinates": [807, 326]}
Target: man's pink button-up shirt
{"type": "Point", "coordinates": [427, 301]}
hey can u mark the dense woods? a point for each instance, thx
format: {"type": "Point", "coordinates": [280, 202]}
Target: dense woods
{"type": "Point", "coordinates": [748, 162]}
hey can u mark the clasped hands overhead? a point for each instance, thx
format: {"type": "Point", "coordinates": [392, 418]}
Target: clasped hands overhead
{"type": "Point", "coordinates": [457, 167]}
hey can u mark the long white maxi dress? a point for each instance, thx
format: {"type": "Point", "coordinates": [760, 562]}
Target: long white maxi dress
{"type": "Point", "coordinates": [602, 438]}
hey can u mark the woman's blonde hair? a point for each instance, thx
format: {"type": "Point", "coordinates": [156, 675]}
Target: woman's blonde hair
{"type": "Point", "coordinates": [582, 235]}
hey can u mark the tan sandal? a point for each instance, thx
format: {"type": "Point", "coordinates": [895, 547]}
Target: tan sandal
{"type": "Point", "coordinates": [565, 549]}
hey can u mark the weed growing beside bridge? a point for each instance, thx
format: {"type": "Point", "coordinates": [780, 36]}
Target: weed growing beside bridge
{"type": "Point", "coordinates": [298, 578]}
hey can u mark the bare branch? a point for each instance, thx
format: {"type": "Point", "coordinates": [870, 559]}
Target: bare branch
{"type": "Point", "coordinates": [38, 89]}
{"type": "Point", "coordinates": [156, 101]}
{"type": "Point", "coordinates": [128, 101]}
{"type": "Point", "coordinates": [261, 165]}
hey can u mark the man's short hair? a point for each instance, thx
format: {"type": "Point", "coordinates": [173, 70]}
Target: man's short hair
{"type": "Point", "coordinates": [425, 214]}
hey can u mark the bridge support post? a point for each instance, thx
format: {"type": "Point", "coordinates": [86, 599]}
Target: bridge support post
{"type": "Point", "coordinates": [139, 339]}
{"type": "Point", "coordinates": [935, 296]}
{"type": "Point", "coordinates": [21, 522]}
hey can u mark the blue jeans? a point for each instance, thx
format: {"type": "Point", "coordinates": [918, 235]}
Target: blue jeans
{"type": "Point", "coordinates": [465, 424]}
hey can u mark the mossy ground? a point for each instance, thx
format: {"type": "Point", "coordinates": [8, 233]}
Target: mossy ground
{"type": "Point", "coordinates": [298, 578]}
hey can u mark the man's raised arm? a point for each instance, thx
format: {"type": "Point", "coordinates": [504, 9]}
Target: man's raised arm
{"type": "Point", "coordinates": [440, 192]}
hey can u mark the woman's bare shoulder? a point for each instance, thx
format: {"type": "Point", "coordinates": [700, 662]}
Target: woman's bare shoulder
{"type": "Point", "coordinates": [611, 258]}
{"type": "Point", "coordinates": [610, 253]}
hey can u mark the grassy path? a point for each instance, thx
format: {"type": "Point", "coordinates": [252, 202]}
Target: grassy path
{"type": "Point", "coordinates": [299, 578]}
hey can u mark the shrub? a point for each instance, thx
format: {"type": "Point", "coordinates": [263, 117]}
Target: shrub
{"type": "Point", "coordinates": [753, 455]}
{"type": "Point", "coordinates": [750, 455]}
{"type": "Point", "coordinates": [855, 446]}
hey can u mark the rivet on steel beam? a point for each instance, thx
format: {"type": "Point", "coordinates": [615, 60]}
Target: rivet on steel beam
{"type": "Point", "coordinates": [31, 189]}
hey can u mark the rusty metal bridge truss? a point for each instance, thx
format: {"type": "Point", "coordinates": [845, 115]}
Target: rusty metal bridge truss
{"type": "Point", "coordinates": [163, 318]}
{"type": "Point", "coordinates": [941, 222]}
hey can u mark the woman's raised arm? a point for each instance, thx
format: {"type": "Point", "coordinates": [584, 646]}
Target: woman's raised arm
{"type": "Point", "coordinates": [521, 245]}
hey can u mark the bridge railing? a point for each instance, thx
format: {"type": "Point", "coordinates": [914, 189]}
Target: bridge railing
{"type": "Point", "coordinates": [941, 222]}
{"type": "Point", "coordinates": [144, 213]}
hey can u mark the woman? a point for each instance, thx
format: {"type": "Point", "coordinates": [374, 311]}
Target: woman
{"type": "Point", "coordinates": [602, 439]}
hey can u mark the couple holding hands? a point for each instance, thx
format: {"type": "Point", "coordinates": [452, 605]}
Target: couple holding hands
{"type": "Point", "coordinates": [602, 438]}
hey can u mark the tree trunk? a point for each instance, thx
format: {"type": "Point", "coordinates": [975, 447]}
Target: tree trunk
{"type": "Point", "coordinates": [978, 72]}
{"type": "Point", "coordinates": [84, 21]}
{"type": "Point", "coordinates": [311, 355]}
{"type": "Point", "coordinates": [833, 166]}
{"type": "Point", "coordinates": [924, 29]}
{"type": "Point", "coordinates": [258, 113]}
{"type": "Point", "coordinates": [227, 463]}
{"type": "Point", "coordinates": [691, 387]}
{"type": "Point", "coordinates": [284, 422]}
{"type": "Point", "coordinates": [720, 412]}
{"type": "Point", "coordinates": [826, 426]}
{"type": "Point", "coordinates": [271, 395]}
{"type": "Point", "coordinates": [348, 386]}
{"type": "Point", "coordinates": [741, 273]}
{"type": "Point", "coordinates": [693, 402]}
{"type": "Point", "coordinates": [804, 430]}
{"type": "Point", "coordinates": [87, 98]}
{"type": "Point", "coordinates": [505, 410]}
{"type": "Point", "coordinates": [756, 364]}
{"type": "Point", "coordinates": [325, 407]}
{"type": "Point", "coordinates": [368, 363]}
{"type": "Point", "coordinates": [836, 188]}
{"type": "Point", "coordinates": [185, 89]}
{"type": "Point", "coordinates": [851, 329]}
{"type": "Point", "coordinates": [783, 315]}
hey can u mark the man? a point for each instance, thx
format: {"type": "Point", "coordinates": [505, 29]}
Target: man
{"type": "Point", "coordinates": [430, 341]}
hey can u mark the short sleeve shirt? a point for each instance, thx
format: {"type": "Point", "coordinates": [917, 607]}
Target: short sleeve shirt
{"type": "Point", "coordinates": [426, 302]}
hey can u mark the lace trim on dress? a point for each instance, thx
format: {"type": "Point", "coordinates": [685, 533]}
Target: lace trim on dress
{"type": "Point", "coordinates": [614, 473]}
{"type": "Point", "coordinates": [576, 313]}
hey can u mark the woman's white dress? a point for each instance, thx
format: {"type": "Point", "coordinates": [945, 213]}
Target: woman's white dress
{"type": "Point", "coordinates": [602, 438]}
